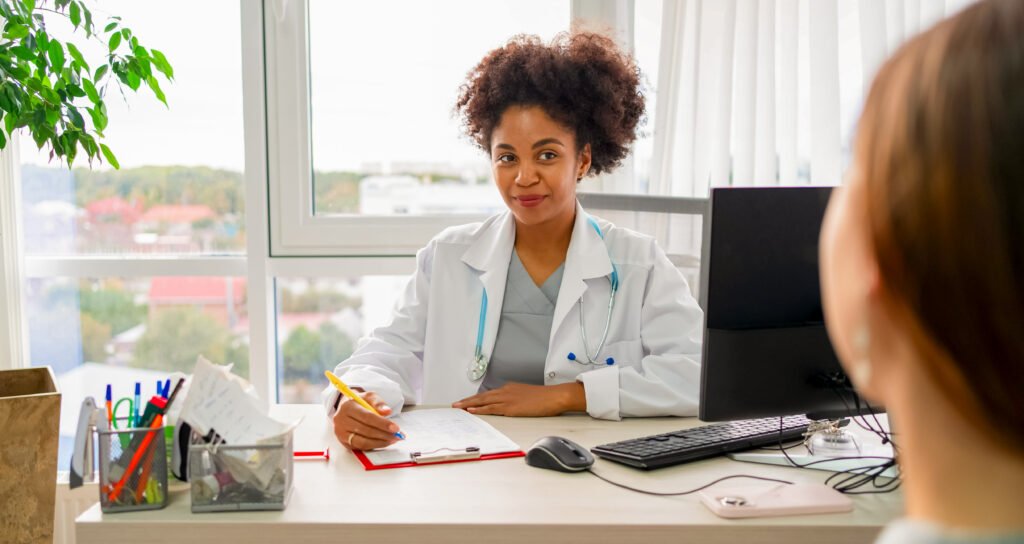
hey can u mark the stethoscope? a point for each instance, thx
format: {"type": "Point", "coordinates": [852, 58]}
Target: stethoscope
{"type": "Point", "coordinates": [478, 366]}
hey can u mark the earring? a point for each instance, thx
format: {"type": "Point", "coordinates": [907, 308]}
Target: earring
{"type": "Point", "coordinates": [860, 367]}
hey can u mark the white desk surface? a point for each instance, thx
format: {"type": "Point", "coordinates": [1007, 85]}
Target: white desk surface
{"type": "Point", "coordinates": [493, 501]}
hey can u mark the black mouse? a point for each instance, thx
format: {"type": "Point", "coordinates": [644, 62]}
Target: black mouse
{"type": "Point", "coordinates": [560, 454]}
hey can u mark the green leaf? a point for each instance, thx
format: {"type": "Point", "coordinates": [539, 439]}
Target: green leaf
{"type": "Point", "coordinates": [109, 155]}
{"type": "Point", "coordinates": [88, 21]}
{"type": "Point", "coordinates": [9, 123]}
{"type": "Point", "coordinates": [133, 80]}
{"type": "Point", "coordinates": [56, 53]}
{"type": "Point", "coordinates": [76, 118]}
{"type": "Point", "coordinates": [30, 5]}
{"type": "Point", "coordinates": [155, 87]}
{"type": "Point", "coordinates": [76, 14]}
{"type": "Point", "coordinates": [115, 40]}
{"type": "Point", "coordinates": [75, 90]}
{"type": "Point", "coordinates": [161, 63]}
{"type": "Point", "coordinates": [99, 116]}
{"type": "Point", "coordinates": [127, 34]}
{"type": "Point", "coordinates": [77, 55]}
{"type": "Point", "coordinates": [15, 31]}
{"type": "Point", "coordinates": [23, 53]}
{"type": "Point", "coordinates": [3, 140]}
{"type": "Point", "coordinates": [100, 72]}
{"type": "Point", "coordinates": [50, 96]}
{"type": "Point", "coordinates": [90, 91]}
{"type": "Point", "coordinates": [110, 27]}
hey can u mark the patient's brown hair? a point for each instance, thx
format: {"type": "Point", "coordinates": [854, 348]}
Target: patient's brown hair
{"type": "Point", "coordinates": [941, 148]}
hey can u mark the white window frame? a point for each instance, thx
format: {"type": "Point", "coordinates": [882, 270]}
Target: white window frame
{"type": "Point", "coordinates": [295, 230]}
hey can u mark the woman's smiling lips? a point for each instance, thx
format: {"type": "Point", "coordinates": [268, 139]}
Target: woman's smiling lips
{"type": "Point", "coordinates": [530, 201]}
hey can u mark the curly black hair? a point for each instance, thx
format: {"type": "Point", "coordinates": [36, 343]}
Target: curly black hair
{"type": "Point", "coordinates": [581, 80]}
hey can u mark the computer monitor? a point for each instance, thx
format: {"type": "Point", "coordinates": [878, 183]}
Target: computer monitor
{"type": "Point", "coordinates": [766, 352]}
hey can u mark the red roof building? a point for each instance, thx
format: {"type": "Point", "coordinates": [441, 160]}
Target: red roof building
{"type": "Point", "coordinates": [177, 214]}
{"type": "Point", "coordinates": [114, 209]}
{"type": "Point", "coordinates": [223, 298]}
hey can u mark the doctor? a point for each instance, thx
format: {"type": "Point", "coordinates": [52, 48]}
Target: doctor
{"type": "Point", "coordinates": [544, 308]}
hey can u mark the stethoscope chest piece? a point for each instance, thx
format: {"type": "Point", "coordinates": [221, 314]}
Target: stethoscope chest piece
{"type": "Point", "coordinates": [477, 368]}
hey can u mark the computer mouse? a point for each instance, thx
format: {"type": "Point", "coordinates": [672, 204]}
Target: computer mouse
{"type": "Point", "coordinates": [557, 453]}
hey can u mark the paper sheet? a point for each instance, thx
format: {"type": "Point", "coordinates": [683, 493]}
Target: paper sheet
{"type": "Point", "coordinates": [431, 430]}
{"type": "Point", "coordinates": [220, 400]}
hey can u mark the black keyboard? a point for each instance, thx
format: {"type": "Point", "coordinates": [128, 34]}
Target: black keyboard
{"type": "Point", "coordinates": [662, 450]}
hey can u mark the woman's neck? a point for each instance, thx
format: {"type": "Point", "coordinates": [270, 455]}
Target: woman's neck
{"type": "Point", "coordinates": [542, 248]}
{"type": "Point", "coordinates": [954, 475]}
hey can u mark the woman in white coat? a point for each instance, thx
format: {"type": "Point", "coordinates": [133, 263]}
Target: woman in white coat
{"type": "Point", "coordinates": [542, 309]}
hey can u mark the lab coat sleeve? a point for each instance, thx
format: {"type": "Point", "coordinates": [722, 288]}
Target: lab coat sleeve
{"type": "Point", "coordinates": [667, 380]}
{"type": "Point", "coordinates": [389, 361]}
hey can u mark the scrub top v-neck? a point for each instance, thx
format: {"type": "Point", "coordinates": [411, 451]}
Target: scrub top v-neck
{"type": "Point", "coordinates": [521, 346]}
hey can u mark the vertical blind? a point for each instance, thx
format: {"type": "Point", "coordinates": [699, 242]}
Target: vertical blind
{"type": "Point", "coordinates": [766, 92]}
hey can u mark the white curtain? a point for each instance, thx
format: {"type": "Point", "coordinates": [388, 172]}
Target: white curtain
{"type": "Point", "coordinates": [766, 92]}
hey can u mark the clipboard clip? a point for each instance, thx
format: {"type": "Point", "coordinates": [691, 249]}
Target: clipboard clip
{"type": "Point", "coordinates": [444, 454]}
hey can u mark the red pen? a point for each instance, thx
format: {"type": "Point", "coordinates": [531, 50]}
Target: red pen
{"type": "Point", "coordinates": [313, 455]}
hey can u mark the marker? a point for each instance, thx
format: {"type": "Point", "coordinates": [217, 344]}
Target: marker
{"type": "Point", "coordinates": [314, 455]}
{"type": "Point", "coordinates": [110, 413]}
{"type": "Point", "coordinates": [138, 392]}
{"type": "Point", "coordinates": [340, 385]}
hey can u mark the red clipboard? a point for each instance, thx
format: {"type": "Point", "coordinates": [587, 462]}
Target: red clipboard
{"type": "Point", "coordinates": [370, 466]}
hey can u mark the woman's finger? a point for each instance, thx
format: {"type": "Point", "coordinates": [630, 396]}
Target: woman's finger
{"type": "Point", "coordinates": [363, 443]}
{"type": "Point", "coordinates": [480, 399]}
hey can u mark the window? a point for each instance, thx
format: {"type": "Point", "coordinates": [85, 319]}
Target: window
{"type": "Point", "coordinates": [319, 321]}
{"type": "Point", "coordinates": [133, 273]}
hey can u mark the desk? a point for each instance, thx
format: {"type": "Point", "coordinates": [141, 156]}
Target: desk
{"type": "Point", "coordinates": [492, 501]}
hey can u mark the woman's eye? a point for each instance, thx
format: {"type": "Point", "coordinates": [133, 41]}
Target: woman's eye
{"type": "Point", "coordinates": [506, 158]}
{"type": "Point", "coordinates": [547, 155]}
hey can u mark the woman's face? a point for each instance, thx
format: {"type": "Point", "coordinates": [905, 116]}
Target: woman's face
{"type": "Point", "coordinates": [536, 165]}
{"type": "Point", "coordinates": [848, 275]}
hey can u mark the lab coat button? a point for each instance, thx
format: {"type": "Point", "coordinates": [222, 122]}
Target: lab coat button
{"type": "Point", "coordinates": [551, 374]}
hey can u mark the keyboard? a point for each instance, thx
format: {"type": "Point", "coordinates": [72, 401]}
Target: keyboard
{"type": "Point", "coordinates": [662, 450]}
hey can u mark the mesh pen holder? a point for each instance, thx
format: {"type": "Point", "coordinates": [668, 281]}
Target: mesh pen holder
{"type": "Point", "coordinates": [133, 469]}
{"type": "Point", "coordinates": [227, 477]}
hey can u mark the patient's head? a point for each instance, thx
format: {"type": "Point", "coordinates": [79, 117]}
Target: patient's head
{"type": "Point", "coordinates": [923, 249]}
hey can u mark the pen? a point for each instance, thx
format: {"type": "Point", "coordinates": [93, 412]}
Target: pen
{"type": "Point", "coordinates": [138, 392]}
{"type": "Point", "coordinates": [110, 413]}
{"type": "Point", "coordinates": [352, 395]}
{"type": "Point", "coordinates": [167, 388]}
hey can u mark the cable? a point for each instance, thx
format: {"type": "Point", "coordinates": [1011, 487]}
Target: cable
{"type": "Point", "coordinates": [705, 486]}
{"type": "Point", "coordinates": [851, 480]}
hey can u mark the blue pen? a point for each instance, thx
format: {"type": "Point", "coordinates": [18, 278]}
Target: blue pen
{"type": "Point", "coordinates": [167, 388]}
{"type": "Point", "coordinates": [138, 393]}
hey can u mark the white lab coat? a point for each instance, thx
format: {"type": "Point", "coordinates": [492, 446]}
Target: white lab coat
{"type": "Point", "coordinates": [422, 356]}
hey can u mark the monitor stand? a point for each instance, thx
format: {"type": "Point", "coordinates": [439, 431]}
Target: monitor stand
{"type": "Point", "coordinates": [834, 451]}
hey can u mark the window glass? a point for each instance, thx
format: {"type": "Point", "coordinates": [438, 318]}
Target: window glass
{"type": "Point", "coordinates": [319, 321]}
{"type": "Point", "coordinates": [95, 331]}
{"type": "Point", "coordinates": [384, 79]}
{"type": "Point", "coordinates": [179, 189]}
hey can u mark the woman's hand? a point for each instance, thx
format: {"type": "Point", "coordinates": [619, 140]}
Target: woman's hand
{"type": "Point", "coordinates": [360, 429]}
{"type": "Point", "coordinates": [518, 399]}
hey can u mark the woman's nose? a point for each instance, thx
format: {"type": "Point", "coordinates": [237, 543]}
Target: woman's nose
{"type": "Point", "coordinates": [527, 175]}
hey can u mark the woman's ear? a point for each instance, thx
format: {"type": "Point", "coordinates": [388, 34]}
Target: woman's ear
{"type": "Point", "coordinates": [583, 161]}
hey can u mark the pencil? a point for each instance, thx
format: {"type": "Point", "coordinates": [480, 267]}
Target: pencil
{"type": "Point", "coordinates": [340, 385]}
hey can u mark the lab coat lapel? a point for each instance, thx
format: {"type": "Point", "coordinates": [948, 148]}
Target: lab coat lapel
{"type": "Point", "coordinates": [490, 255]}
{"type": "Point", "coordinates": [586, 258]}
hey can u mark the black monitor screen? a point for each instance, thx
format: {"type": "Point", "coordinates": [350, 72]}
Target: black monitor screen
{"type": "Point", "coordinates": [766, 351]}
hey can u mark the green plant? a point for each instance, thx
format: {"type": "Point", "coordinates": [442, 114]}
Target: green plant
{"type": "Point", "coordinates": [46, 84]}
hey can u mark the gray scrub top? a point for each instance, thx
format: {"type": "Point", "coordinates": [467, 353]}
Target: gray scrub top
{"type": "Point", "coordinates": [521, 346]}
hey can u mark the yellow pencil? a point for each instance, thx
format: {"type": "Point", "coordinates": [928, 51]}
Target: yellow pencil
{"type": "Point", "coordinates": [352, 395]}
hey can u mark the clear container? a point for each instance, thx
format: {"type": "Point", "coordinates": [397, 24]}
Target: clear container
{"type": "Point", "coordinates": [133, 469]}
{"type": "Point", "coordinates": [226, 477]}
